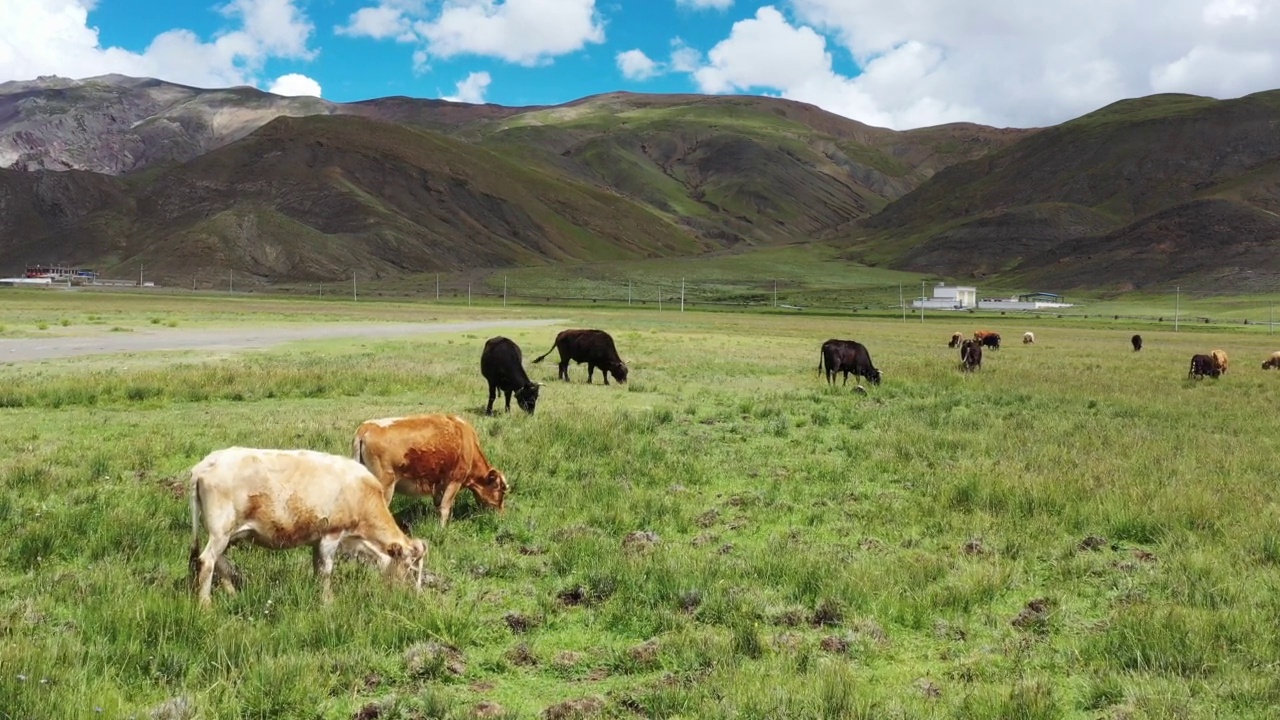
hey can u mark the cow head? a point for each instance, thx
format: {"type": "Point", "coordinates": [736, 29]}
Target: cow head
{"type": "Point", "coordinates": [405, 559]}
{"type": "Point", "coordinates": [527, 397]}
{"type": "Point", "coordinates": [619, 371]}
{"type": "Point", "coordinates": [874, 376]}
{"type": "Point", "coordinates": [492, 489]}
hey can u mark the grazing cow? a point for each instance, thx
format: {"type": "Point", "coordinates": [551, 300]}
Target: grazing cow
{"type": "Point", "coordinates": [955, 340]}
{"type": "Point", "coordinates": [501, 364]}
{"type": "Point", "coordinates": [986, 338]}
{"type": "Point", "coordinates": [846, 356]}
{"type": "Point", "coordinates": [970, 356]}
{"type": "Point", "coordinates": [282, 499]}
{"type": "Point", "coordinates": [434, 455]}
{"type": "Point", "coordinates": [1028, 338]}
{"type": "Point", "coordinates": [1272, 362]}
{"type": "Point", "coordinates": [1202, 365]}
{"type": "Point", "coordinates": [1137, 342]}
{"type": "Point", "coordinates": [1220, 360]}
{"type": "Point", "coordinates": [593, 347]}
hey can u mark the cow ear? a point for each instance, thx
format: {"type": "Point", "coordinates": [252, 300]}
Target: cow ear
{"type": "Point", "coordinates": [395, 550]}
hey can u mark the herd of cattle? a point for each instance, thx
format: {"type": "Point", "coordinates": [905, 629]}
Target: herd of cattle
{"type": "Point", "coordinates": [283, 499]}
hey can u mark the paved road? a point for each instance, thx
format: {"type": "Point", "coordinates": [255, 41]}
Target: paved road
{"type": "Point", "coordinates": [222, 339]}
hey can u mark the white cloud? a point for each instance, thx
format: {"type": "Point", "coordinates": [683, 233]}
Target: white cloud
{"type": "Point", "coordinates": [295, 85]}
{"type": "Point", "coordinates": [471, 89]}
{"type": "Point", "coordinates": [703, 4]}
{"type": "Point", "coordinates": [684, 58]}
{"type": "Point", "coordinates": [53, 37]}
{"type": "Point", "coordinates": [526, 32]}
{"type": "Point", "coordinates": [1003, 62]}
{"type": "Point", "coordinates": [635, 65]}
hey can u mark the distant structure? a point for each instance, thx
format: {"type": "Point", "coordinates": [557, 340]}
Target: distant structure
{"type": "Point", "coordinates": [959, 297]}
{"type": "Point", "coordinates": [66, 276]}
{"type": "Point", "coordinates": [955, 297]}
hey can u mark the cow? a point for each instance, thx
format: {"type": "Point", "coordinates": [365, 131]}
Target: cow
{"type": "Point", "coordinates": [282, 499]}
{"type": "Point", "coordinates": [986, 338]}
{"type": "Point", "coordinates": [1202, 365]}
{"type": "Point", "coordinates": [593, 347]}
{"type": "Point", "coordinates": [846, 356]}
{"type": "Point", "coordinates": [970, 356]}
{"type": "Point", "coordinates": [955, 340]}
{"type": "Point", "coordinates": [1137, 342]}
{"type": "Point", "coordinates": [1028, 338]}
{"type": "Point", "coordinates": [1272, 362]}
{"type": "Point", "coordinates": [433, 454]}
{"type": "Point", "coordinates": [1220, 360]}
{"type": "Point", "coordinates": [501, 364]}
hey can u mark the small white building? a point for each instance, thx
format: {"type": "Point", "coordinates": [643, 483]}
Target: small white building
{"type": "Point", "coordinates": [954, 297]}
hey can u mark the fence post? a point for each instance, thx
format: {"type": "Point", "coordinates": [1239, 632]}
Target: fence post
{"type": "Point", "coordinates": [353, 288]}
{"type": "Point", "coordinates": [775, 293]}
{"type": "Point", "coordinates": [504, 291]}
{"type": "Point", "coordinates": [902, 303]}
{"type": "Point", "coordinates": [1177, 300]}
{"type": "Point", "coordinates": [921, 302]}
{"type": "Point", "coordinates": [681, 294]}
{"type": "Point", "coordinates": [628, 293]}
{"type": "Point", "coordinates": [468, 294]}
{"type": "Point", "coordinates": [437, 286]}
{"type": "Point", "coordinates": [659, 297]}
{"type": "Point", "coordinates": [231, 281]}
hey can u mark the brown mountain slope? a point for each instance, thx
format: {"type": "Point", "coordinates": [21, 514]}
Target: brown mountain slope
{"type": "Point", "coordinates": [1095, 201]}
{"type": "Point", "coordinates": [318, 197]}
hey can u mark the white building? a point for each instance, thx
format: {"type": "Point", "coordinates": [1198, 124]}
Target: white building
{"type": "Point", "coordinates": [955, 297]}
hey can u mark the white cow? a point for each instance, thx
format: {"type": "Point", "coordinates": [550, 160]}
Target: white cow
{"type": "Point", "coordinates": [282, 499]}
{"type": "Point", "coordinates": [1028, 338]}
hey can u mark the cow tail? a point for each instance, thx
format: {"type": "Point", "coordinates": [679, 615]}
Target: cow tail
{"type": "Point", "coordinates": [821, 359]}
{"type": "Point", "coordinates": [193, 558]}
{"type": "Point", "coordinates": [357, 450]}
{"type": "Point", "coordinates": [543, 356]}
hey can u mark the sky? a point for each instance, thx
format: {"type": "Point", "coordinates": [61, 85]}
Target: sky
{"type": "Point", "coordinates": [891, 63]}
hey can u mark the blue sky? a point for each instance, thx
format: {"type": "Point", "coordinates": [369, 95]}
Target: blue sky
{"type": "Point", "coordinates": [355, 68]}
{"type": "Point", "coordinates": [891, 63]}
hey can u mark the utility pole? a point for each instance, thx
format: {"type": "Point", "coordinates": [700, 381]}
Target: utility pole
{"type": "Point", "coordinates": [775, 293]}
{"type": "Point", "coordinates": [659, 297]}
{"type": "Point", "coordinates": [1177, 301]}
{"type": "Point", "coordinates": [681, 294]}
{"type": "Point", "coordinates": [921, 302]}
{"type": "Point", "coordinates": [321, 291]}
{"type": "Point", "coordinates": [353, 288]}
{"type": "Point", "coordinates": [468, 294]}
{"type": "Point", "coordinates": [628, 293]}
{"type": "Point", "coordinates": [437, 286]}
{"type": "Point", "coordinates": [140, 268]}
{"type": "Point", "coordinates": [902, 302]}
{"type": "Point", "coordinates": [231, 282]}
{"type": "Point", "coordinates": [1271, 315]}
{"type": "Point", "coordinates": [504, 291]}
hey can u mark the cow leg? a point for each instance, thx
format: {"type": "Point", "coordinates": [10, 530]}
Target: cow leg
{"type": "Point", "coordinates": [846, 379]}
{"type": "Point", "coordinates": [446, 502]}
{"type": "Point", "coordinates": [322, 561]}
{"type": "Point", "coordinates": [508, 394]}
{"type": "Point", "coordinates": [564, 370]}
{"type": "Point", "coordinates": [590, 370]}
{"type": "Point", "coordinates": [207, 562]}
{"type": "Point", "coordinates": [605, 375]}
{"type": "Point", "coordinates": [228, 576]}
{"type": "Point", "coordinates": [493, 394]}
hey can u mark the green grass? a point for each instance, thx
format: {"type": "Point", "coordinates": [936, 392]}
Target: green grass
{"type": "Point", "coordinates": [821, 553]}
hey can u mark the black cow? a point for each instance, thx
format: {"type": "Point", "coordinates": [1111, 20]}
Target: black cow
{"type": "Point", "coordinates": [991, 340]}
{"type": "Point", "coordinates": [593, 347]}
{"type": "Point", "coordinates": [970, 356]}
{"type": "Point", "coordinates": [1137, 342]}
{"type": "Point", "coordinates": [500, 363]}
{"type": "Point", "coordinates": [847, 356]}
{"type": "Point", "coordinates": [1202, 365]}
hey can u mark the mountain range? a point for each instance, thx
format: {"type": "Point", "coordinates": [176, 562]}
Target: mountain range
{"type": "Point", "coordinates": [119, 172]}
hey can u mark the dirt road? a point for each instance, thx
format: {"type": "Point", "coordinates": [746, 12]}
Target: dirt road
{"type": "Point", "coordinates": [223, 339]}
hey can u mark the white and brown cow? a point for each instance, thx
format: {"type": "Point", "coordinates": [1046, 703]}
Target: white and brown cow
{"type": "Point", "coordinates": [282, 499]}
{"type": "Point", "coordinates": [434, 455]}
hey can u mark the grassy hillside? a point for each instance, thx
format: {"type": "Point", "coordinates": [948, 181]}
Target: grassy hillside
{"type": "Point", "coordinates": [1074, 532]}
{"type": "Point", "coordinates": [321, 197]}
{"type": "Point", "coordinates": [1139, 192]}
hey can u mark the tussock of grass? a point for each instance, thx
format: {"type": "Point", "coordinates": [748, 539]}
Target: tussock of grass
{"type": "Point", "coordinates": [1074, 531]}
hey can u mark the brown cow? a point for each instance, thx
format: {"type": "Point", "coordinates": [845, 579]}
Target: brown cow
{"type": "Point", "coordinates": [955, 340]}
{"type": "Point", "coordinates": [970, 356]}
{"type": "Point", "coordinates": [1220, 360]}
{"type": "Point", "coordinates": [1272, 362]}
{"type": "Point", "coordinates": [434, 455]}
{"type": "Point", "coordinates": [282, 499]}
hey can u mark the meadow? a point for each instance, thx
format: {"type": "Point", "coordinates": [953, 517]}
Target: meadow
{"type": "Point", "coordinates": [1075, 531]}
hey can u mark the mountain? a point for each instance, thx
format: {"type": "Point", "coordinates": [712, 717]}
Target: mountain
{"type": "Point", "coordinates": [218, 175]}
{"type": "Point", "coordinates": [1140, 192]}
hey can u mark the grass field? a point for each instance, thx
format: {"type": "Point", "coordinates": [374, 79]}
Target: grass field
{"type": "Point", "coordinates": [1076, 531]}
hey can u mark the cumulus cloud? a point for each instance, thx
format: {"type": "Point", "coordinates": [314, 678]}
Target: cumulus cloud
{"type": "Point", "coordinates": [295, 85]}
{"type": "Point", "coordinates": [703, 4]}
{"type": "Point", "coordinates": [53, 37]}
{"type": "Point", "coordinates": [1002, 62]}
{"type": "Point", "coordinates": [471, 89]}
{"type": "Point", "coordinates": [526, 32]}
{"type": "Point", "coordinates": [635, 65]}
